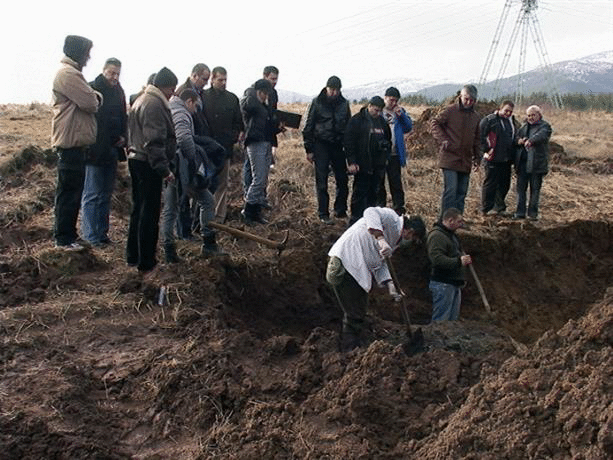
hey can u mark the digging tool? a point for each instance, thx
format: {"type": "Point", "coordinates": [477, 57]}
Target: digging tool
{"type": "Point", "coordinates": [415, 341]}
{"type": "Point", "coordinates": [279, 246]}
{"type": "Point", "coordinates": [479, 286]}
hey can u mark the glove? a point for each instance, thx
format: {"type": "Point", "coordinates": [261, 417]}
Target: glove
{"type": "Point", "coordinates": [393, 292]}
{"type": "Point", "coordinates": [384, 249]}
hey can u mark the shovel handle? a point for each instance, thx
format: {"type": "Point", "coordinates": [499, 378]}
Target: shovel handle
{"type": "Point", "coordinates": [405, 312]}
{"type": "Point", "coordinates": [486, 304]}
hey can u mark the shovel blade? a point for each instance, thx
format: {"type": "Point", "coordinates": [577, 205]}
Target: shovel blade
{"type": "Point", "coordinates": [414, 343]}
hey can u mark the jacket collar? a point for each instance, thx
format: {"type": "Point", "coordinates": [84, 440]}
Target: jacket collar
{"type": "Point", "coordinates": [155, 91]}
{"type": "Point", "coordinates": [71, 63]}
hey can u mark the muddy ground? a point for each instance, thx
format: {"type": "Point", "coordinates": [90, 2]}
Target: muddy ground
{"type": "Point", "coordinates": [240, 360]}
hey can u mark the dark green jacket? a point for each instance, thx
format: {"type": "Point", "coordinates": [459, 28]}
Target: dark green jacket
{"type": "Point", "coordinates": [444, 252]}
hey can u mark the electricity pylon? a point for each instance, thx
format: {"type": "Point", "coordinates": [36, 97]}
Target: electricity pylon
{"type": "Point", "coordinates": [526, 23]}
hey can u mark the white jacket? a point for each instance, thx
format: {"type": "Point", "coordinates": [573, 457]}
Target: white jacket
{"type": "Point", "coordinates": [358, 249]}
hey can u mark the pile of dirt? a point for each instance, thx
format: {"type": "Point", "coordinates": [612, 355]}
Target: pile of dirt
{"type": "Point", "coordinates": [238, 358]}
{"type": "Point", "coordinates": [553, 401]}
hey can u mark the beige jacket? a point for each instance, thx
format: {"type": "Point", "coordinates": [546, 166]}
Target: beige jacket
{"type": "Point", "coordinates": [74, 105]}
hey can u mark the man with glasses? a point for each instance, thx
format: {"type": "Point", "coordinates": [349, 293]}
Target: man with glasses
{"type": "Point", "coordinates": [457, 130]}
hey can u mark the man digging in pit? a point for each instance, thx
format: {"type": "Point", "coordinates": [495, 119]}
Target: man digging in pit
{"type": "Point", "coordinates": [358, 256]}
{"type": "Point", "coordinates": [448, 261]}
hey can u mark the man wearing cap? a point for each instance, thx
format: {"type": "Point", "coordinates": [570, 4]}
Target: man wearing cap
{"type": "Point", "coordinates": [367, 148]}
{"type": "Point", "coordinates": [323, 134]}
{"type": "Point", "coordinates": [400, 124]}
{"type": "Point", "coordinates": [73, 131]}
{"type": "Point", "coordinates": [457, 130]}
{"type": "Point", "coordinates": [151, 161]}
{"type": "Point", "coordinates": [102, 158]}
{"type": "Point", "coordinates": [358, 256]}
{"type": "Point", "coordinates": [259, 132]}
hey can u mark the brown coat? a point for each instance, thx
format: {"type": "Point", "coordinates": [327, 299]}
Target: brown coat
{"type": "Point", "coordinates": [74, 105]}
{"type": "Point", "coordinates": [457, 130]}
{"type": "Point", "coordinates": [151, 131]}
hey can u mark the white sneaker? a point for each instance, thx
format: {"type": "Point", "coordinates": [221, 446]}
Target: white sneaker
{"type": "Point", "coordinates": [70, 247]}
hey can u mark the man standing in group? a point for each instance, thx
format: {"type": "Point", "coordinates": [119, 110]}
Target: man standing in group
{"type": "Point", "coordinates": [73, 129]}
{"type": "Point", "coordinates": [101, 161]}
{"type": "Point", "coordinates": [323, 134]}
{"type": "Point", "coordinates": [400, 124]}
{"type": "Point", "coordinates": [194, 172]}
{"type": "Point", "coordinates": [367, 148]}
{"type": "Point", "coordinates": [532, 161]}
{"type": "Point", "coordinates": [457, 130]}
{"type": "Point", "coordinates": [271, 73]}
{"type": "Point", "coordinates": [497, 143]}
{"type": "Point", "coordinates": [358, 256]}
{"type": "Point", "coordinates": [448, 262]}
{"type": "Point", "coordinates": [197, 81]}
{"type": "Point", "coordinates": [259, 131]}
{"type": "Point", "coordinates": [152, 153]}
{"type": "Point", "coordinates": [223, 114]}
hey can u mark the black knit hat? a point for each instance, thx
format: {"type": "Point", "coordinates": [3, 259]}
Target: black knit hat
{"type": "Point", "coordinates": [263, 85]}
{"type": "Point", "coordinates": [334, 82]}
{"type": "Point", "coordinates": [165, 78]}
{"type": "Point", "coordinates": [76, 47]}
{"type": "Point", "coordinates": [393, 92]}
{"type": "Point", "coordinates": [376, 100]}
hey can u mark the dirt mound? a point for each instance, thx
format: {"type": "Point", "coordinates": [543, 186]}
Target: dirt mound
{"type": "Point", "coordinates": [239, 358]}
{"type": "Point", "coordinates": [552, 402]}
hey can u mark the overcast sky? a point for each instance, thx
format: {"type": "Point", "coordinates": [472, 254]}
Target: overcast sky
{"type": "Point", "coordinates": [361, 41]}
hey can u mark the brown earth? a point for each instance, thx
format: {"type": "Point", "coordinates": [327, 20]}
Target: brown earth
{"type": "Point", "coordinates": [241, 359]}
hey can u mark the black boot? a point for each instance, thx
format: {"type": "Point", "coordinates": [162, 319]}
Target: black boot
{"type": "Point", "coordinates": [259, 218]}
{"type": "Point", "coordinates": [170, 254]}
{"type": "Point", "coordinates": [210, 247]}
{"type": "Point", "coordinates": [249, 213]}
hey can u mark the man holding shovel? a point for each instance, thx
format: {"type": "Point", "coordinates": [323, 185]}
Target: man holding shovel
{"type": "Point", "coordinates": [448, 262]}
{"type": "Point", "coordinates": [358, 256]}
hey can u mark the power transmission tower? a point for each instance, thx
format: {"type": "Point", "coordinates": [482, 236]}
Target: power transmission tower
{"type": "Point", "coordinates": [526, 23]}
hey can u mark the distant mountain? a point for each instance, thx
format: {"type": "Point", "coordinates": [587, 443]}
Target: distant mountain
{"type": "Point", "coordinates": [290, 97]}
{"type": "Point", "coordinates": [358, 93]}
{"type": "Point", "coordinates": [590, 74]}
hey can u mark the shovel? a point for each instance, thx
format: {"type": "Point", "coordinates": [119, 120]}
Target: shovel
{"type": "Point", "coordinates": [415, 342]}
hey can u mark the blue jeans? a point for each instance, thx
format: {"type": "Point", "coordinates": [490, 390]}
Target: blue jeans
{"type": "Point", "coordinates": [170, 211]}
{"type": "Point", "coordinates": [255, 171]}
{"type": "Point", "coordinates": [96, 202]}
{"type": "Point", "coordinates": [455, 189]}
{"type": "Point", "coordinates": [446, 300]}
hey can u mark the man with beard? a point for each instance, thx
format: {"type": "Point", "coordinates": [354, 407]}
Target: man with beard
{"type": "Point", "coordinates": [323, 134]}
{"type": "Point", "coordinates": [101, 162]}
{"type": "Point", "coordinates": [367, 148]}
{"type": "Point", "coordinates": [73, 128]}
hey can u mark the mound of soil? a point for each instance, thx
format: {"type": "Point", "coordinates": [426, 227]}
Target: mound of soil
{"type": "Point", "coordinates": [237, 357]}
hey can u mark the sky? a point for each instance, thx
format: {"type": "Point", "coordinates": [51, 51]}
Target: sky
{"type": "Point", "coordinates": [361, 41]}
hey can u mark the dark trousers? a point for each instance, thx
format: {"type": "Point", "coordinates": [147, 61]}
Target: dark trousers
{"type": "Point", "coordinates": [327, 155]}
{"type": "Point", "coordinates": [70, 180]}
{"type": "Point", "coordinates": [144, 220]}
{"type": "Point", "coordinates": [365, 192]}
{"type": "Point", "coordinates": [495, 186]}
{"type": "Point", "coordinates": [535, 181]}
{"type": "Point", "coordinates": [394, 180]}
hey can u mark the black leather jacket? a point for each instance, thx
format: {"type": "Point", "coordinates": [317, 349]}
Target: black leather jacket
{"type": "Point", "coordinates": [326, 121]}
